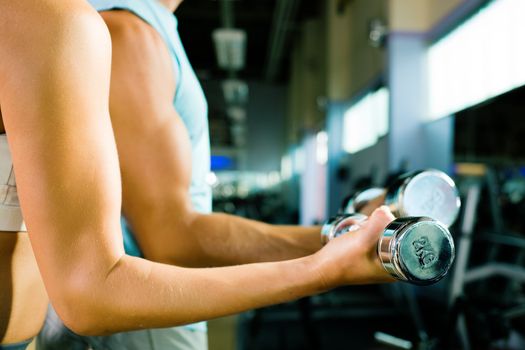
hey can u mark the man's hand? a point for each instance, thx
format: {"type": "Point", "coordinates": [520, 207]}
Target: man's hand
{"type": "Point", "coordinates": [352, 257]}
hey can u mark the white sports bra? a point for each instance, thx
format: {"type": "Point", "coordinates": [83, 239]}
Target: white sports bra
{"type": "Point", "coordinates": [10, 212]}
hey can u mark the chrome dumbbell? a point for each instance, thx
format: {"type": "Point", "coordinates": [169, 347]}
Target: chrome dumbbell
{"type": "Point", "coordinates": [430, 193]}
{"type": "Point", "coordinates": [418, 250]}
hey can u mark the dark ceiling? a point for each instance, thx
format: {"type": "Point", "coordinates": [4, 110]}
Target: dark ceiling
{"type": "Point", "coordinates": [198, 18]}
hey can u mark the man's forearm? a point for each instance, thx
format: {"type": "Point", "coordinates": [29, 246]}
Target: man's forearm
{"type": "Point", "coordinates": [203, 240]}
{"type": "Point", "coordinates": [229, 239]}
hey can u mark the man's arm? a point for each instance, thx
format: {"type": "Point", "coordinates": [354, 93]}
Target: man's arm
{"type": "Point", "coordinates": [54, 92]}
{"type": "Point", "coordinates": [155, 156]}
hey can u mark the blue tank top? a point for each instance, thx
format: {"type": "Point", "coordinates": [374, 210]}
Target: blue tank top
{"type": "Point", "coordinates": [189, 101]}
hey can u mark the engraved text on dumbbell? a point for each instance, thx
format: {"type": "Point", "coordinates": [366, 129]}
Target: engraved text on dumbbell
{"type": "Point", "coordinates": [435, 200]}
{"type": "Point", "coordinates": [424, 251]}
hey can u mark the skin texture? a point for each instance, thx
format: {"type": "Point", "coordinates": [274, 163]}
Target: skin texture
{"type": "Point", "coordinates": [54, 91]}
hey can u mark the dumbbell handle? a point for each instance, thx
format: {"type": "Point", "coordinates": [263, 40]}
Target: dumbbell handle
{"type": "Point", "coordinates": [372, 197]}
{"type": "Point", "coordinates": [341, 224]}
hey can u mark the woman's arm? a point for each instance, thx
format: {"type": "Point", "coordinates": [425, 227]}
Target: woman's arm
{"type": "Point", "coordinates": [55, 78]}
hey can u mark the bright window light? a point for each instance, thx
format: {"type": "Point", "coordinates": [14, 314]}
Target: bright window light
{"type": "Point", "coordinates": [322, 147]}
{"type": "Point", "coordinates": [366, 121]}
{"type": "Point", "coordinates": [211, 179]}
{"type": "Point", "coordinates": [482, 58]}
{"type": "Point", "coordinates": [274, 178]}
{"type": "Point", "coordinates": [298, 160]}
{"type": "Point", "coordinates": [286, 167]}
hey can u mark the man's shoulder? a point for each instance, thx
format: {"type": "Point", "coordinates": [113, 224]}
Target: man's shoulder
{"type": "Point", "coordinates": [141, 59]}
{"type": "Point", "coordinates": [126, 28]}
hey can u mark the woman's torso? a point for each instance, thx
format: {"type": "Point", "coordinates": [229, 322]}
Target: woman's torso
{"type": "Point", "coordinates": [23, 300]}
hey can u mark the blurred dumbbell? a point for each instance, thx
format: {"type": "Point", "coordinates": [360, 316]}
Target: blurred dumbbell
{"type": "Point", "coordinates": [430, 193]}
{"type": "Point", "coordinates": [418, 250]}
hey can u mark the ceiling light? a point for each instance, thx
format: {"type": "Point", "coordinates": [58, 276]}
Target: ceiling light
{"type": "Point", "coordinates": [235, 91]}
{"type": "Point", "coordinates": [230, 47]}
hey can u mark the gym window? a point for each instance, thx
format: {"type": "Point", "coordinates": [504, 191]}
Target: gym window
{"type": "Point", "coordinates": [482, 58]}
{"type": "Point", "coordinates": [366, 121]}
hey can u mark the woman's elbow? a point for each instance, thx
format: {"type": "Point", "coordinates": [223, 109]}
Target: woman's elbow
{"type": "Point", "coordinates": [81, 309]}
{"type": "Point", "coordinates": [81, 323]}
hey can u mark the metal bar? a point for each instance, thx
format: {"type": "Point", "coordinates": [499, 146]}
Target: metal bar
{"type": "Point", "coordinates": [227, 15]}
{"type": "Point", "coordinates": [279, 17]}
{"type": "Point", "coordinates": [505, 239]}
{"type": "Point", "coordinates": [285, 12]}
{"type": "Point", "coordinates": [515, 312]}
{"type": "Point", "coordinates": [495, 269]}
{"type": "Point", "coordinates": [463, 332]}
{"type": "Point", "coordinates": [462, 257]}
{"type": "Point", "coordinates": [465, 242]}
{"type": "Point", "coordinates": [415, 311]}
{"type": "Point", "coordinates": [395, 342]}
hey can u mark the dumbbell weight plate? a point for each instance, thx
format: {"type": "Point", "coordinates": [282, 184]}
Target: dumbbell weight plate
{"type": "Point", "coordinates": [418, 250]}
{"type": "Point", "coordinates": [429, 193]}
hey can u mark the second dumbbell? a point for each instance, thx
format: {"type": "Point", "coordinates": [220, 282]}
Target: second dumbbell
{"type": "Point", "coordinates": [430, 193]}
